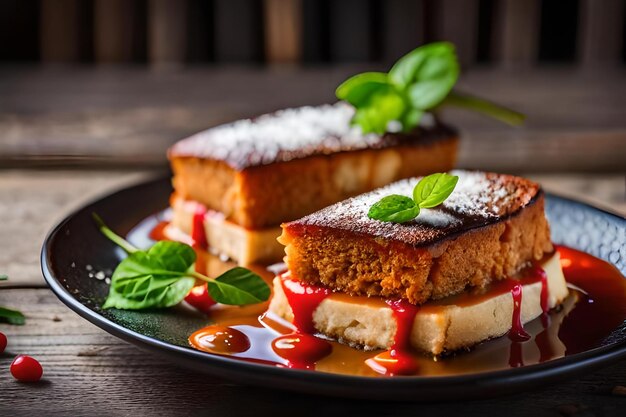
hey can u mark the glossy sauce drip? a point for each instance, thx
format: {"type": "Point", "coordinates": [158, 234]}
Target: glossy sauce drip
{"type": "Point", "coordinates": [198, 233]}
{"type": "Point", "coordinates": [602, 306]}
{"type": "Point", "coordinates": [545, 295]}
{"type": "Point", "coordinates": [594, 310]}
{"type": "Point", "coordinates": [222, 340]}
{"type": "Point", "coordinates": [303, 299]}
{"type": "Point", "coordinates": [398, 360]}
{"type": "Point", "coordinates": [301, 350]}
{"type": "Point", "coordinates": [542, 340]}
{"type": "Point", "coordinates": [517, 332]}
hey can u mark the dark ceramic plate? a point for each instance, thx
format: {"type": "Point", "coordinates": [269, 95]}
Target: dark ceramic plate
{"type": "Point", "coordinates": [74, 247]}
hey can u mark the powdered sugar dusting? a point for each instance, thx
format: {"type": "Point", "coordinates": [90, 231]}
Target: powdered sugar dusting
{"type": "Point", "coordinates": [435, 218]}
{"type": "Point", "coordinates": [478, 194]}
{"type": "Point", "coordinates": [283, 136]}
{"type": "Point", "coordinates": [479, 199]}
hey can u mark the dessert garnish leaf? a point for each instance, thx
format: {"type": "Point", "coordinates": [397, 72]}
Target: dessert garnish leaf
{"type": "Point", "coordinates": [429, 192]}
{"type": "Point", "coordinates": [11, 316]}
{"type": "Point", "coordinates": [434, 189]}
{"type": "Point", "coordinates": [421, 81]}
{"type": "Point", "coordinates": [6, 314]}
{"type": "Point", "coordinates": [427, 73]}
{"type": "Point", "coordinates": [359, 89]}
{"type": "Point", "coordinates": [394, 208]}
{"type": "Point", "coordinates": [163, 275]}
{"type": "Point", "coordinates": [158, 277]}
{"type": "Point", "coordinates": [376, 102]}
{"type": "Point", "coordinates": [239, 287]}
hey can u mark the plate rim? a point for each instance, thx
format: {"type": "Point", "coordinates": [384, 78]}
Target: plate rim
{"type": "Point", "coordinates": [539, 374]}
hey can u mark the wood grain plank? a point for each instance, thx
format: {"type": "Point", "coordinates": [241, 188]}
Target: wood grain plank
{"type": "Point", "coordinates": [59, 35]}
{"type": "Point", "coordinates": [316, 31]}
{"type": "Point", "coordinates": [404, 28]}
{"type": "Point", "coordinates": [107, 118]}
{"type": "Point", "coordinates": [167, 27]}
{"type": "Point", "coordinates": [200, 39]}
{"type": "Point", "coordinates": [601, 32]}
{"type": "Point", "coordinates": [238, 31]}
{"type": "Point", "coordinates": [35, 202]}
{"type": "Point", "coordinates": [88, 372]}
{"type": "Point", "coordinates": [283, 31]}
{"type": "Point", "coordinates": [113, 28]}
{"type": "Point", "coordinates": [516, 40]}
{"type": "Point", "coordinates": [457, 22]}
{"type": "Point", "coordinates": [351, 31]}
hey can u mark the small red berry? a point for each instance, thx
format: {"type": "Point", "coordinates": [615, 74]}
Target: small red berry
{"type": "Point", "coordinates": [3, 342]}
{"type": "Point", "coordinates": [26, 369]}
{"type": "Point", "coordinates": [199, 298]}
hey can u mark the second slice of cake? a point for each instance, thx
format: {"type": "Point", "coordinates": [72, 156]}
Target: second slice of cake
{"type": "Point", "coordinates": [488, 236]}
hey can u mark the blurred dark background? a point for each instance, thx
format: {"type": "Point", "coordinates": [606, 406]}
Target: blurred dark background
{"type": "Point", "coordinates": [112, 83]}
{"type": "Point", "coordinates": [310, 32]}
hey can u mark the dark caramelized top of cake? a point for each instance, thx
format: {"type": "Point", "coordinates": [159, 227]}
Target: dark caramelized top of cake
{"type": "Point", "coordinates": [296, 133]}
{"type": "Point", "coordinates": [479, 199]}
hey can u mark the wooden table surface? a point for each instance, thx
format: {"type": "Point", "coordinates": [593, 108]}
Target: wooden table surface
{"type": "Point", "coordinates": [98, 122]}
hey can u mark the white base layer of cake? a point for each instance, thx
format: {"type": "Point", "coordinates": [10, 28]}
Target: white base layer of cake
{"type": "Point", "coordinates": [227, 239]}
{"type": "Point", "coordinates": [438, 327]}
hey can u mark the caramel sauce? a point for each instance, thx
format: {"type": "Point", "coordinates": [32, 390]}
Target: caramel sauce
{"type": "Point", "coordinates": [594, 309]}
{"type": "Point", "coordinates": [221, 340]}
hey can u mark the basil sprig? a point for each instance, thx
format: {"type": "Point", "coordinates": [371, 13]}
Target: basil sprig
{"type": "Point", "coordinates": [429, 192]}
{"type": "Point", "coordinates": [420, 81]}
{"type": "Point", "coordinates": [163, 275]}
{"type": "Point", "coordinates": [11, 316]}
{"type": "Point", "coordinates": [7, 315]}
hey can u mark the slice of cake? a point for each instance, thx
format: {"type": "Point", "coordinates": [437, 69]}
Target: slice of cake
{"type": "Point", "coordinates": [457, 268]}
{"type": "Point", "coordinates": [241, 180]}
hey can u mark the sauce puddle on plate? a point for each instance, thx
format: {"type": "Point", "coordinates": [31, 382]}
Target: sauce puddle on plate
{"type": "Point", "coordinates": [595, 307]}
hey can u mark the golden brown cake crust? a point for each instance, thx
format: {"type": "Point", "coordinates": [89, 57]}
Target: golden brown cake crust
{"type": "Point", "coordinates": [489, 228]}
{"type": "Point", "coordinates": [266, 195]}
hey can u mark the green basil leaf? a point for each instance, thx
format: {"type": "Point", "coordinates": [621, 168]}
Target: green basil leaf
{"type": "Point", "coordinates": [383, 108]}
{"type": "Point", "coordinates": [167, 297]}
{"type": "Point", "coordinates": [359, 89]}
{"type": "Point", "coordinates": [434, 189]}
{"type": "Point", "coordinates": [238, 286]}
{"type": "Point", "coordinates": [394, 208]}
{"type": "Point", "coordinates": [11, 316]}
{"type": "Point", "coordinates": [427, 74]}
{"type": "Point", "coordinates": [156, 278]}
{"type": "Point", "coordinates": [174, 256]}
{"type": "Point", "coordinates": [411, 119]}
